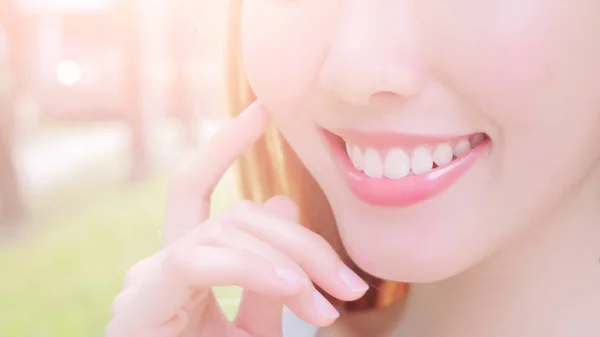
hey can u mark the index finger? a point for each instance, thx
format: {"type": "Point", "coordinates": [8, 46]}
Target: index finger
{"type": "Point", "coordinates": [188, 203]}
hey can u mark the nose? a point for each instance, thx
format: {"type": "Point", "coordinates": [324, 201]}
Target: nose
{"type": "Point", "coordinates": [373, 52]}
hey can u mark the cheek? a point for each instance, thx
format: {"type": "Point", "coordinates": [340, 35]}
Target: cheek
{"type": "Point", "coordinates": [531, 70]}
{"type": "Point", "coordinates": [520, 53]}
{"type": "Point", "coordinates": [528, 72]}
{"type": "Point", "coordinates": [283, 47]}
{"type": "Point", "coordinates": [497, 66]}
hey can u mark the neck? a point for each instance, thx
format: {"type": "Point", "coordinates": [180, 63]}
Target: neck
{"type": "Point", "coordinates": [545, 284]}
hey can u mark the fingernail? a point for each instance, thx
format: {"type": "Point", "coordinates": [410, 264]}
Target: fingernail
{"type": "Point", "coordinates": [290, 276]}
{"type": "Point", "coordinates": [351, 280]}
{"type": "Point", "coordinates": [323, 306]}
{"type": "Point", "coordinates": [254, 105]}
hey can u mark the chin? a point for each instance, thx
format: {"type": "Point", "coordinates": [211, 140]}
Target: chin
{"type": "Point", "coordinates": [390, 265]}
{"type": "Point", "coordinates": [407, 253]}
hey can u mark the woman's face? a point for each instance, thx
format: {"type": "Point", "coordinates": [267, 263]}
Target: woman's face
{"type": "Point", "coordinates": [410, 88]}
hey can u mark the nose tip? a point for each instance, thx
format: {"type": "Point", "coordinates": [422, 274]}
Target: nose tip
{"type": "Point", "coordinates": [403, 80]}
{"type": "Point", "coordinates": [373, 51]}
{"type": "Point", "coordinates": [359, 83]}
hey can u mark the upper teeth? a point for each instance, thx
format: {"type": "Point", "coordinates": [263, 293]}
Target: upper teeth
{"type": "Point", "coordinates": [373, 164]}
{"type": "Point", "coordinates": [462, 148]}
{"type": "Point", "coordinates": [395, 163]}
{"type": "Point", "coordinates": [421, 160]}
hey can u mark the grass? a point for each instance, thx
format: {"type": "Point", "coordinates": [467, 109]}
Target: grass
{"type": "Point", "coordinates": [60, 280]}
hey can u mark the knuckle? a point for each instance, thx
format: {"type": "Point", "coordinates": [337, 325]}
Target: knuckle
{"type": "Point", "coordinates": [208, 233]}
{"type": "Point", "coordinates": [135, 272]}
{"type": "Point", "coordinates": [176, 260]}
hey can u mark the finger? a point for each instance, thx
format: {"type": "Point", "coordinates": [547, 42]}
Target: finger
{"type": "Point", "coordinates": [313, 253]}
{"type": "Point", "coordinates": [213, 322]}
{"type": "Point", "coordinates": [308, 304]}
{"type": "Point", "coordinates": [189, 268]}
{"type": "Point", "coordinates": [141, 269]}
{"type": "Point", "coordinates": [267, 320]}
{"type": "Point", "coordinates": [302, 303]}
{"type": "Point", "coordinates": [260, 315]}
{"type": "Point", "coordinates": [282, 206]}
{"type": "Point", "coordinates": [189, 196]}
{"type": "Point", "coordinates": [236, 239]}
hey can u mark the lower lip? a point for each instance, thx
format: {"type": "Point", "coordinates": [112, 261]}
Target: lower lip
{"type": "Point", "coordinates": [406, 191]}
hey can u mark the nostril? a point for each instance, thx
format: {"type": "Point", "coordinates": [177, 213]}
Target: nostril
{"type": "Point", "coordinates": [388, 96]}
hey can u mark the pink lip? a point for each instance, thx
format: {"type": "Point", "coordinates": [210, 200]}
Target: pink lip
{"type": "Point", "coordinates": [406, 191]}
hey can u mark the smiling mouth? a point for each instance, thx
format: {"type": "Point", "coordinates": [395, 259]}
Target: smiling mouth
{"type": "Point", "coordinates": [391, 169]}
{"type": "Point", "coordinates": [398, 162]}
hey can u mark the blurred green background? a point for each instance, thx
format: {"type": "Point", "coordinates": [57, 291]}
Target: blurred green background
{"type": "Point", "coordinates": [99, 102]}
{"type": "Point", "coordinates": [61, 279]}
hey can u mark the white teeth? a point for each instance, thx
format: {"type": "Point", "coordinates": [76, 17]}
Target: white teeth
{"type": "Point", "coordinates": [462, 148]}
{"type": "Point", "coordinates": [357, 158]}
{"type": "Point", "coordinates": [397, 164]}
{"type": "Point", "coordinates": [373, 164]}
{"type": "Point", "coordinates": [421, 160]}
{"type": "Point", "coordinates": [442, 154]}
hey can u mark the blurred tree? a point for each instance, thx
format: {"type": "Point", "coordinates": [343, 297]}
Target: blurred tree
{"type": "Point", "coordinates": [12, 207]}
{"type": "Point", "coordinates": [179, 42]}
{"type": "Point", "coordinates": [11, 202]}
{"type": "Point", "coordinates": [135, 118]}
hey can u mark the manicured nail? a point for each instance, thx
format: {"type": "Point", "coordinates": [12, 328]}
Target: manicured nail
{"type": "Point", "coordinates": [324, 307]}
{"type": "Point", "coordinates": [290, 276]}
{"type": "Point", "coordinates": [254, 105]}
{"type": "Point", "coordinates": [352, 281]}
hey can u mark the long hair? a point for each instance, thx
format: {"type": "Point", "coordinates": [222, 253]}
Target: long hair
{"type": "Point", "coordinates": [272, 168]}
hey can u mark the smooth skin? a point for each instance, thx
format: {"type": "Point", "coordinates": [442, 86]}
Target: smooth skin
{"type": "Point", "coordinates": [259, 248]}
{"type": "Point", "coordinates": [510, 249]}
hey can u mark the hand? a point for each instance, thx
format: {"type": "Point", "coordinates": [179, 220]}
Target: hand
{"type": "Point", "coordinates": [262, 249]}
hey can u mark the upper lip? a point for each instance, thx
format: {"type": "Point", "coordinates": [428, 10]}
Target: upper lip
{"type": "Point", "coordinates": [393, 139]}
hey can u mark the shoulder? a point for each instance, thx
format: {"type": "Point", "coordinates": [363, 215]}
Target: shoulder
{"type": "Point", "coordinates": [295, 327]}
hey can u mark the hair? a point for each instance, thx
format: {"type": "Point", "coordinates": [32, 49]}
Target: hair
{"type": "Point", "coordinates": [272, 168]}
